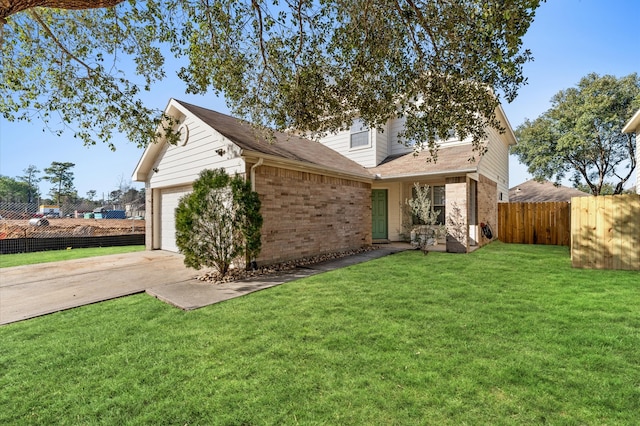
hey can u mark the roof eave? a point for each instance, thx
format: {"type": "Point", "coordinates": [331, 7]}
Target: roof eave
{"type": "Point", "coordinates": [444, 174]}
{"type": "Point", "coordinates": [632, 124]}
{"type": "Point", "coordinates": [511, 136]}
{"type": "Point", "coordinates": [141, 172]}
{"type": "Point", "coordinates": [249, 155]}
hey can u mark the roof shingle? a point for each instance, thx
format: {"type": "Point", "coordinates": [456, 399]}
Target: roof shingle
{"type": "Point", "coordinates": [450, 160]}
{"type": "Point", "coordinates": [285, 146]}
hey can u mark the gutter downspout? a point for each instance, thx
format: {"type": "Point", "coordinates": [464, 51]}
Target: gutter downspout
{"type": "Point", "coordinates": [253, 173]}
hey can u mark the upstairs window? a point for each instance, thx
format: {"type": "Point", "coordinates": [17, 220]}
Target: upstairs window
{"type": "Point", "coordinates": [359, 134]}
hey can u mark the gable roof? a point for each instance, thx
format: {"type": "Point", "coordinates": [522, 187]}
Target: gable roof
{"type": "Point", "coordinates": [286, 147]}
{"type": "Point", "coordinates": [451, 161]}
{"type": "Point", "coordinates": [533, 191]}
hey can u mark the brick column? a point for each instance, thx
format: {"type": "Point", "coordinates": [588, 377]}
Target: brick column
{"type": "Point", "coordinates": [487, 207]}
{"type": "Point", "coordinates": [456, 215]}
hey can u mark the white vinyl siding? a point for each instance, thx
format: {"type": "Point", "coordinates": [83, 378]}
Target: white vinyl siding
{"type": "Point", "coordinates": [382, 145]}
{"type": "Point", "coordinates": [179, 165]}
{"type": "Point", "coordinates": [341, 141]}
{"type": "Point", "coordinates": [395, 147]}
{"type": "Point", "coordinates": [169, 199]}
{"type": "Point", "coordinates": [396, 126]}
{"type": "Point", "coordinates": [494, 164]}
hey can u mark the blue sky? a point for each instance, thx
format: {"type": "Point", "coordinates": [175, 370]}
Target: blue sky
{"type": "Point", "coordinates": [568, 38]}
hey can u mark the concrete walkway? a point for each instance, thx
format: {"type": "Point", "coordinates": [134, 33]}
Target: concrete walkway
{"type": "Point", "coordinates": [196, 294]}
{"type": "Point", "coordinates": [34, 290]}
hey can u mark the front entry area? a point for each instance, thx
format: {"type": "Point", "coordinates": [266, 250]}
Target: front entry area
{"type": "Point", "coordinates": [379, 220]}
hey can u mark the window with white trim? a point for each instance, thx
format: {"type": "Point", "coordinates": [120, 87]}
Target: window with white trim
{"type": "Point", "coordinates": [437, 198]}
{"type": "Point", "coordinates": [359, 134]}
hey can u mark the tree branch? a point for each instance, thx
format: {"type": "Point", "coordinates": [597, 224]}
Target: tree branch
{"type": "Point", "coordinates": [263, 53]}
{"type": "Point", "coordinates": [8, 7]}
{"type": "Point", "coordinates": [410, 30]}
{"type": "Point", "coordinates": [36, 16]}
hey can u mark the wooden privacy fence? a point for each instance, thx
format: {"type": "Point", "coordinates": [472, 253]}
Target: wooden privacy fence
{"type": "Point", "coordinates": [535, 223]}
{"type": "Point", "coordinates": [605, 232]}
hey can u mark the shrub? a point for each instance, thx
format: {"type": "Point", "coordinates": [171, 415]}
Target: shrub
{"type": "Point", "coordinates": [219, 222]}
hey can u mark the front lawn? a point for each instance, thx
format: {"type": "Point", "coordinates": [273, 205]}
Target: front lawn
{"type": "Point", "coordinates": [19, 259]}
{"type": "Point", "coordinates": [509, 334]}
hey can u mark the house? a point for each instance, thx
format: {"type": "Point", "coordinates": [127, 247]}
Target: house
{"type": "Point", "coordinates": [466, 193]}
{"type": "Point", "coordinates": [338, 194]}
{"type": "Point", "coordinates": [633, 126]}
{"type": "Point", "coordinates": [533, 191]}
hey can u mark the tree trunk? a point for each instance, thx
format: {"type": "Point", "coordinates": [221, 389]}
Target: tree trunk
{"type": "Point", "coordinates": [8, 7]}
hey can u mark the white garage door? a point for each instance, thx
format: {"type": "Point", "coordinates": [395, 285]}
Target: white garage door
{"type": "Point", "coordinates": [168, 202]}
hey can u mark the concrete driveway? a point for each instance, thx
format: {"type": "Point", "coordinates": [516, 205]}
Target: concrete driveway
{"type": "Point", "coordinates": [33, 290]}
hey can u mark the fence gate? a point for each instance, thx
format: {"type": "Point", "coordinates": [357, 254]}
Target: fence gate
{"type": "Point", "coordinates": [535, 223]}
{"type": "Point", "coordinates": [605, 232]}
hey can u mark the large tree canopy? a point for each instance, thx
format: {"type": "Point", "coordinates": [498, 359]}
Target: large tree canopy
{"type": "Point", "coordinates": [309, 65]}
{"type": "Point", "coordinates": [580, 135]}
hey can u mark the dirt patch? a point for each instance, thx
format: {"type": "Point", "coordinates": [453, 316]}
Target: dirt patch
{"type": "Point", "coordinates": [71, 228]}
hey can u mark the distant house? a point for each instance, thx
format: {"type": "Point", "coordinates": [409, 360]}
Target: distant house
{"type": "Point", "coordinates": [633, 126]}
{"type": "Point", "coordinates": [341, 193]}
{"type": "Point", "coordinates": [533, 191]}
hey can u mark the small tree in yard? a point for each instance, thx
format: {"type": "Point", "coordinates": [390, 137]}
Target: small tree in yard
{"type": "Point", "coordinates": [219, 222]}
{"type": "Point", "coordinates": [426, 233]}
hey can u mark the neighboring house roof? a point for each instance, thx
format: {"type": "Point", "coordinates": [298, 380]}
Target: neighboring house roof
{"type": "Point", "coordinates": [533, 191]}
{"type": "Point", "coordinates": [452, 160]}
{"type": "Point", "coordinates": [251, 142]}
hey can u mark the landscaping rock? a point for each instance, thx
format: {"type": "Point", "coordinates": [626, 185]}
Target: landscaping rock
{"type": "Point", "coordinates": [241, 274]}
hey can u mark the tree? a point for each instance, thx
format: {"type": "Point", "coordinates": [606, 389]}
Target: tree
{"type": "Point", "coordinates": [31, 179]}
{"type": "Point", "coordinates": [219, 222]}
{"type": "Point", "coordinates": [91, 194]}
{"type": "Point", "coordinates": [114, 196]}
{"type": "Point", "coordinates": [61, 176]}
{"type": "Point", "coordinates": [305, 65]}
{"type": "Point", "coordinates": [580, 135]}
{"type": "Point", "coordinates": [424, 234]}
{"type": "Point", "coordinates": [132, 195]}
{"type": "Point", "coordinates": [13, 190]}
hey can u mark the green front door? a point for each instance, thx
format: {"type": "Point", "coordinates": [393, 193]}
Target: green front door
{"type": "Point", "coordinates": [379, 214]}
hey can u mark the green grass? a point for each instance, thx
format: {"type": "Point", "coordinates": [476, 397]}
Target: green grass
{"type": "Point", "coordinates": [7, 260]}
{"type": "Point", "coordinates": [507, 335]}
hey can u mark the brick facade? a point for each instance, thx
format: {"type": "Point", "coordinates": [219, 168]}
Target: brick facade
{"type": "Point", "coordinates": [306, 214]}
{"type": "Point", "coordinates": [487, 207]}
{"type": "Point", "coordinates": [457, 198]}
{"type": "Point", "coordinates": [456, 193]}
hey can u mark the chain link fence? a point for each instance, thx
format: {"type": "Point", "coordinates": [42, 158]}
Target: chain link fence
{"type": "Point", "coordinates": [29, 227]}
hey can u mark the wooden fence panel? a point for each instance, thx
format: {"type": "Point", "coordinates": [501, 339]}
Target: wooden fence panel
{"type": "Point", "coordinates": [605, 232]}
{"type": "Point", "coordinates": [535, 223]}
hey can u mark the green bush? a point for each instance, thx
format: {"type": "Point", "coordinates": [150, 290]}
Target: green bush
{"type": "Point", "coordinates": [219, 222]}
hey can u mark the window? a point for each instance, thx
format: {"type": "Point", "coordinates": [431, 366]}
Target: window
{"type": "Point", "coordinates": [437, 202]}
{"type": "Point", "coordinates": [359, 134]}
{"type": "Point", "coordinates": [437, 198]}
